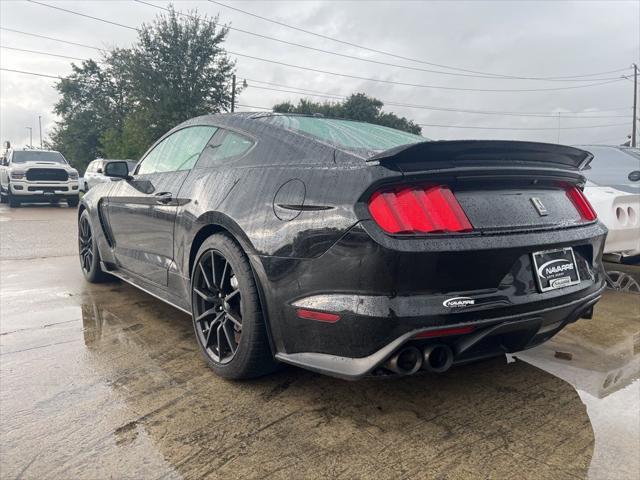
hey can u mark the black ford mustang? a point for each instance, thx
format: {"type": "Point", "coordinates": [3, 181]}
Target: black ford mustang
{"type": "Point", "coordinates": [348, 248]}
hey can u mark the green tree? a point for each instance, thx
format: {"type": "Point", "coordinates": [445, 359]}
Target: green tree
{"type": "Point", "coordinates": [118, 106]}
{"type": "Point", "coordinates": [87, 107]}
{"type": "Point", "coordinates": [357, 106]}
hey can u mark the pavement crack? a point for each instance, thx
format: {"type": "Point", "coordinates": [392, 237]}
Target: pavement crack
{"type": "Point", "coordinates": [40, 327]}
{"type": "Point", "coordinates": [40, 346]}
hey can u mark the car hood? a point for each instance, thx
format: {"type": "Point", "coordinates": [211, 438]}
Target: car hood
{"type": "Point", "coordinates": [27, 165]}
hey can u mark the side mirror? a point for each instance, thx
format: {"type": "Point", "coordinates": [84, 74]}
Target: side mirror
{"type": "Point", "coordinates": [4, 162]}
{"type": "Point", "coordinates": [634, 176]}
{"type": "Point", "coordinates": [116, 170]}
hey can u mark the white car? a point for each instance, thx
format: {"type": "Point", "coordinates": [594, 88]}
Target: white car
{"type": "Point", "coordinates": [613, 188]}
{"type": "Point", "coordinates": [94, 172]}
{"type": "Point", "coordinates": [37, 176]}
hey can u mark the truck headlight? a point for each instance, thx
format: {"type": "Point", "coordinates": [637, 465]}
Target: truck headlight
{"type": "Point", "coordinates": [73, 175]}
{"type": "Point", "coordinates": [17, 174]}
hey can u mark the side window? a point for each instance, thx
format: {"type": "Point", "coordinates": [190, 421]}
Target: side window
{"type": "Point", "coordinates": [179, 151]}
{"type": "Point", "coordinates": [231, 146]}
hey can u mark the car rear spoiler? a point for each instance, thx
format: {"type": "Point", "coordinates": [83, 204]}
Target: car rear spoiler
{"type": "Point", "coordinates": [447, 154]}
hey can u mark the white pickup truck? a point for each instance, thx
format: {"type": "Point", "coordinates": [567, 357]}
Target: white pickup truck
{"type": "Point", "coordinates": [37, 176]}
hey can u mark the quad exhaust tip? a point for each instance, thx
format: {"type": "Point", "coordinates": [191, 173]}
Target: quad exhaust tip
{"type": "Point", "coordinates": [406, 362]}
{"type": "Point", "coordinates": [438, 358]}
{"type": "Point", "coordinates": [435, 358]}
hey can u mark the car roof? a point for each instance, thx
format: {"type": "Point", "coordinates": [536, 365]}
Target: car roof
{"type": "Point", "coordinates": [249, 123]}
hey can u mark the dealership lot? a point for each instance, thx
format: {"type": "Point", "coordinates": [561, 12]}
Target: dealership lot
{"type": "Point", "coordinates": [104, 381]}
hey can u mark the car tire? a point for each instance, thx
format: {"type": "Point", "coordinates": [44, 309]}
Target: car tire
{"type": "Point", "coordinates": [88, 251]}
{"type": "Point", "coordinates": [222, 283]}
{"type": "Point", "coordinates": [3, 198]}
{"type": "Point", "coordinates": [13, 201]}
{"type": "Point", "coordinates": [73, 201]}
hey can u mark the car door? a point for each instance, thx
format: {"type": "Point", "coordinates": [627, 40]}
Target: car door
{"type": "Point", "coordinates": [141, 210]}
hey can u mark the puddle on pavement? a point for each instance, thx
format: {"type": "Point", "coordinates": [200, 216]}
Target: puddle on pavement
{"type": "Point", "coordinates": [600, 358]}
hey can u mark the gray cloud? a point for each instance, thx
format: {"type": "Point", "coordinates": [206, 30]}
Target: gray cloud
{"type": "Point", "coordinates": [514, 38]}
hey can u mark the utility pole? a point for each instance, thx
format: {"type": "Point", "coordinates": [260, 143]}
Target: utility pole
{"type": "Point", "coordinates": [233, 93]}
{"type": "Point", "coordinates": [635, 105]}
{"type": "Point", "coordinates": [40, 124]}
{"type": "Point", "coordinates": [30, 136]}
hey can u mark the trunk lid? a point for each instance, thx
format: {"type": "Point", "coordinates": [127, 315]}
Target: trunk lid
{"type": "Point", "coordinates": [500, 185]}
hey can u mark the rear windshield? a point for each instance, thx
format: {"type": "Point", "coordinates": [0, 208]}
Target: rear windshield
{"type": "Point", "coordinates": [350, 135]}
{"type": "Point", "coordinates": [37, 156]}
{"type": "Point", "coordinates": [611, 167]}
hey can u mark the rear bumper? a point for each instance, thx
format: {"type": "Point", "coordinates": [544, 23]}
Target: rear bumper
{"type": "Point", "coordinates": [489, 338]}
{"type": "Point", "coordinates": [625, 241]}
{"type": "Point", "coordinates": [385, 290]}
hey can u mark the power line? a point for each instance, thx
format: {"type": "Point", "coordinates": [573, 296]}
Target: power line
{"type": "Point", "coordinates": [42, 53]}
{"type": "Point", "coordinates": [442, 109]}
{"type": "Point", "coordinates": [356, 77]}
{"type": "Point", "coordinates": [377, 62]}
{"type": "Point", "coordinates": [30, 73]}
{"type": "Point", "coordinates": [338, 97]}
{"type": "Point", "coordinates": [50, 38]}
{"type": "Point", "coordinates": [421, 124]}
{"type": "Point", "coordinates": [344, 42]}
{"type": "Point", "coordinates": [419, 85]}
{"type": "Point", "coordinates": [84, 15]}
{"type": "Point", "coordinates": [253, 106]}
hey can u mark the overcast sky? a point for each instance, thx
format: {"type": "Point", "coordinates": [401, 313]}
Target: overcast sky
{"type": "Point", "coordinates": [526, 39]}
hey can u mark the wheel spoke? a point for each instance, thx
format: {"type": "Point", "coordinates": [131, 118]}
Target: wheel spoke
{"type": "Point", "coordinates": [219, 341]}
{"type": "Point", "coordinates": [208, 313]}
{"type": "Point", "coordinates": [203, 295]}
{"type": "Point", "coordinates": [231, 343]}
{"type": "Point", "coordinates": [213, 268]}
{"type": "Point", "coordinates": [208, 339]}
{"type": "Point", "coordinates": [235, 321]}
{"type": "Point", "coordinates": [224, 273]}
{"type": "Point", "coordinates": [204, 275]}
{"type": "Point", "coordinates": [231, 295]}
{"type": "Point", "coordinates": [209, 330]}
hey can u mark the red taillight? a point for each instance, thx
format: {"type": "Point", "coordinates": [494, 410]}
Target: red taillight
{"type": "Point", "coordinates": [317, 316]}
{"type": "Point", "coordinates": [582, 204]}
{"type": "Point", "coordinates": [418, 210]}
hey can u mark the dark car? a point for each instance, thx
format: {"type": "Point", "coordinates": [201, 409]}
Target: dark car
{"type": "Point", "coordinates": [348, 248]}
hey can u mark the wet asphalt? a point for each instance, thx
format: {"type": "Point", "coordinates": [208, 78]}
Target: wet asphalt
{"type": "Point", "coordinates": [104, 381]}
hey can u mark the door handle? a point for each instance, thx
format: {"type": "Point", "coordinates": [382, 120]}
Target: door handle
{"type": "Point", "coordinates": [163, 197]}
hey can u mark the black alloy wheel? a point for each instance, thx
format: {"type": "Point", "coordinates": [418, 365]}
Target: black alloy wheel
{"type": "Point", "coordinates": [217, 307]}
{"type": "Point", "coordinates": [88, 251]}
{"type": "Point", "coordinates": [85, 244]}
{"type": "Point", "coordinates": [227, 314]}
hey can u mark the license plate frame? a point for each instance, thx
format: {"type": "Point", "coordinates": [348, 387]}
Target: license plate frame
{"type": "Point", "coordinates": [554, 269]}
